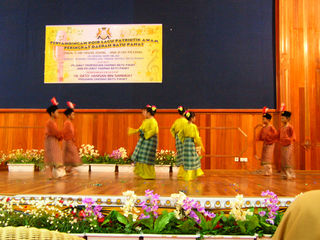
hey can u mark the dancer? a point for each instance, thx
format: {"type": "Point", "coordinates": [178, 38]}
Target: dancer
{"type": "Point", "coordinates": [70, 151]}
{"type": "Point", "coordinates": [286, 138]}
{"type": "Point", "coordinates": [52, 150]}
{"type": "Point", "coordinates": [145, 152]}
{"type": "Point", "coordinates": [175, 129]}
{"type": "Point", "coordinates": [189, 136]}
{"type": "Point", "coordinates": [268, 135]}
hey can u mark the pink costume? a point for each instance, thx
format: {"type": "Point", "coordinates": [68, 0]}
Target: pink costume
{"type": "Point", "coordinates": [268, 135]}
{"type": "Point", "coordinates": [286, 139]}
{"type": "Point", "coordinates": [70, 151]}
{"type": "Point", "coordinates": [52, 150]}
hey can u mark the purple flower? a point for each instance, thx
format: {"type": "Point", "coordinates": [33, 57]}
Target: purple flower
{"type": "Point", "coordinates": [148, 193]}
{"type": "Point", "coordinates": [152, 206]}
{"type": "Point", "coordinates": [270, 221]}
{"type": "Point", "coordinates": [142, 216]}
{"type": "Point", "coordinates": [88, 201]}
{"type": "Point", "coordinates": [194, 216]}
{"type": "Point", "coordinates": [271, 202]}
{"type": "Point", "coordinates": [116, 154]}
{"type": "Point", "coordinates": [262, 213]}
{"type": "Point", "coordinates": [209, 214]}
{"type": "Point", "coordinates": [96, 211]}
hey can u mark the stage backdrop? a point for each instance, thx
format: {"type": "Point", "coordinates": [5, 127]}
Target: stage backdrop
{"type": "Point", "coordinates": [125, 53]}
{"type": "Point", "coordinates": [216, 54]}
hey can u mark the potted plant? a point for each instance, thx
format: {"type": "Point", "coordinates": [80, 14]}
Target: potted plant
{"type": "Point", "coordinates": [165, 160]}
{"type": "Point", "coordinates": [19, 160]}
{"type": "Point", "coordinates": [123, 162]}
{"type": "Point", "coordinates": [88, 155]}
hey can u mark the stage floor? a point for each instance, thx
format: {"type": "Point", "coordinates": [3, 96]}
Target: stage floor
{"type": "Point", "coordinates": [215, 183]}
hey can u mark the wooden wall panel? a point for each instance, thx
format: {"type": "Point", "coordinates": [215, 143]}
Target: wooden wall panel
{"type": "Point", "coordinates": [298, 80]}
{"type": "Point", "coordinates": [225, 135]}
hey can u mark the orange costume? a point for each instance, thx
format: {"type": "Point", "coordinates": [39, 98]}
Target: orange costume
{"type": "Point", "coordinates": [286, 139]}
{"type": "Point", "coordinates": [52, 150]}
{"type": "Point", "coordinates": [268, 135]}
{"type": "Point", "coordinates": [70, 151]}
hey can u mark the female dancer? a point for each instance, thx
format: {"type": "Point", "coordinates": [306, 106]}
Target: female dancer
{"type": "Point", "coordinates": [189, 136]}
{"type": "Point", "coordinates": [175, 129]}
{"type": "Point", "coordinates": [70, 151]}
{"type": "Point", "coordinates": [145, 152]}
{"type": "Point", "coordinates": [268, 135]}
{"type": "Point", "coordinates": [52, 150]}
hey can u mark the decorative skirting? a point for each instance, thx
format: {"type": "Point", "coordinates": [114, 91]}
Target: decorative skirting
{"type": "Point", "coordinates": [217, 203]}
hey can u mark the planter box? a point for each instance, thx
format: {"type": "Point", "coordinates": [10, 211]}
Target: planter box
{"type": "Point", "coordinates": [101, 236]}
{"type": "Point", "coordinates": [125, 167]}
{"type": "Point", "coordinates": [162, 168]}
{"type": "Point", "coordinates": [83, 168]}
{"type": "Point", "coordinates": [20, 167]}
{"type": "Point", "coordinates": [169, 237]}
{"type": "Point", "coordinates": [175, 170]}
{"type": "Point", "coordinates": [265, 237]}
{"type": "Point", "coordinates": [223, 237]}
{"type": "Point", "coordinates": [102, 167]}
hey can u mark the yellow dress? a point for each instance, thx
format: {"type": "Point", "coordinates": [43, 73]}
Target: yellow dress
{"type": "Point", "coordinates": [190, 137]}
{"type": "Point", "coordinates": [177, 126]}
{"type": "Point", "coordinates": [145, 152]}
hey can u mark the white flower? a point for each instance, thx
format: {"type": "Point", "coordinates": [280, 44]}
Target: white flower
{"type": "Point", "coordinates": [129, 205]}
{"type": "Point", "coordinates": [236, 211]}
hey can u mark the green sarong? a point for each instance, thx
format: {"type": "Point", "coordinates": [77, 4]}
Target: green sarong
{"type": "Point", "coordinates": [145, 151]}
{"type": "Point", "coordinates": [191, 160]}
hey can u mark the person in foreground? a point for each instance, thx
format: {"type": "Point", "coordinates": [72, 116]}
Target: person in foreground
{"type": "Point", "coordinates": [301, 220]}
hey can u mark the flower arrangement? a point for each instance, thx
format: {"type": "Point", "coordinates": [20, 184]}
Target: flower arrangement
{"type": "Point", "coordinates": [88, 154]}
{"type": "Point", "coordinates": [185, 207]}
{"type": "Point", "coordinates": [119, 153]}
{"type": "Point", "coordinates": [165, 157]}
{"type": "Point", "coordinates": [119, 156]}
{"type": "Point", "coordinates": [33, 156]}
{"type": "Point", "coordinates": [189, 216]}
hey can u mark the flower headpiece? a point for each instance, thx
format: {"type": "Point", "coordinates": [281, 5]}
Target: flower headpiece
{"type": "Point", "coordinates": [265, 110]}
{"type": "Point", "coordinates": [71, 105]}
{"type": "Point", "coordinates": [153, 108]}
{"type": "Point", "coordinates": [54, 101]}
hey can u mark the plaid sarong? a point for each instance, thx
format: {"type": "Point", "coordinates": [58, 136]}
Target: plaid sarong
{"type": "Point", "coordinates": [191, 160]}
{"type": "Point", "coordinates": [179, 148]}
{"type": "Point", "coordinates": [145, 151]}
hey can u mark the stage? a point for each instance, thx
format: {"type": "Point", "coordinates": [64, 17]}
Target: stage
{"type": "Point", "coordinates": [215, 189]}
